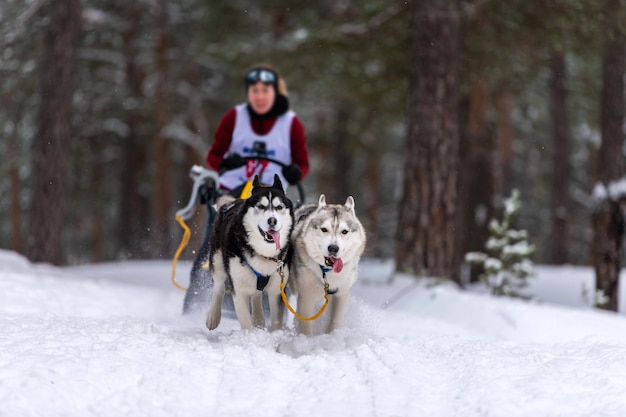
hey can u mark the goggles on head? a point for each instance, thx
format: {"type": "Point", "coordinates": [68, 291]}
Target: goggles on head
{"type": "Point", "coordinates": [261, 74]}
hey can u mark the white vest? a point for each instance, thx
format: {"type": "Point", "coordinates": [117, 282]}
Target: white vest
{"type": "Point", "coordinates": [277, 144]}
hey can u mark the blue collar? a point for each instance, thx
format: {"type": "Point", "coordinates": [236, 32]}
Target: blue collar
{"type": "Point", "coordinates": [326, 270]}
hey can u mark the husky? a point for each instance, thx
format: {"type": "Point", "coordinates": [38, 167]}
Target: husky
{"type": "Point", "coordinates": [249, 254]}
{"type": "Point", "coordinates": [328, 241]}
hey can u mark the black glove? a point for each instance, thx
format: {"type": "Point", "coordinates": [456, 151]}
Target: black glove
{"type": "Point", "coordinates": [233, 161]}
{"type": "Point", "coordinates": [292, 174]}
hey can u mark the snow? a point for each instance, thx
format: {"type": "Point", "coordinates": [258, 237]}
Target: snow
{"type": "Point", "coordinates": [109, 340]}
{"type": "Point", "coordinates": [615, 190]}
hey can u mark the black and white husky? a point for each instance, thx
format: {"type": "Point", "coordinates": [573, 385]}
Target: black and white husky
{"type": "Point", "coordinates": [328, 242]}
{"type": "Point", "coordinates": [248, 254]}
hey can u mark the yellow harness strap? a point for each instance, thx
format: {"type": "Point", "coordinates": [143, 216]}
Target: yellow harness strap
{"type": "Point", "coordinates": [183, 244]}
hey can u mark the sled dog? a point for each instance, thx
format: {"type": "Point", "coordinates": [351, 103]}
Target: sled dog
{"type": "Point", "coordinates": [328, 242]}
{"type": "Point", "coordinates": [248, 253]}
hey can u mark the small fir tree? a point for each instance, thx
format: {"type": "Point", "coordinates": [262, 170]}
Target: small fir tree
{"type": "Point", "coordinates": [507, 263]}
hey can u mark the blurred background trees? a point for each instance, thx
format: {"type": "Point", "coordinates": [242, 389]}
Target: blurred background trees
{"type": "Point", "coordinates": [153, 78]}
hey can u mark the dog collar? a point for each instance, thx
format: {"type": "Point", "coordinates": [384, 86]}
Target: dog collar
{"type": "Point", "coordinates": [280, 259]}
{"type": "Point", "coordinates": [277, 260]}
{"type": "Point", "coordinates": [325, 270]}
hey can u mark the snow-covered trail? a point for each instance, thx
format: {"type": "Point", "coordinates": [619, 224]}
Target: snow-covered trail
{"type": "Point", "coordinates": [108, 340]}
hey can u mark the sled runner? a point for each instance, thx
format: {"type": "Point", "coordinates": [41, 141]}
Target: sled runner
{"type": "Point", "coordinates": [206, 191]}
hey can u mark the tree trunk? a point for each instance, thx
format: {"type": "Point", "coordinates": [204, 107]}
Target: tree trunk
{"type": "Point", "coordinates": [57, 85]}
{"type": "Point", "coordinates": [334, 154]}
{"type": "Point", "coordinates": [503, 159]}
{"type": "Point", "coordinates": [13, 171]}
{"type": "Point", "coordinates": [340, 157]}
{"type": "Point", "coordinates": [163, 166]}
{"type": "Point", "coordinates": [373, 207]}
{"type": "Point", "coordinates": [608, 218]}
{"type": "Point", "coordinates": [560, 161]}
{"type": "Point", "coordinates": [14, 186]}
{"type": "Point", "coordinates": [475, 189]}
{"type": "Point", "coordinates": [608, 238]}
{"type": "Point", "coordinates": [98, 235]}
{"type": "Point", "coordinates": [133, 216]}
{"type": "Point", "coordinates": [426, 237]}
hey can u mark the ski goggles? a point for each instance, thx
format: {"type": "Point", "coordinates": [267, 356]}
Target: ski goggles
{"type": "Point", "coordinates": [261, 74]}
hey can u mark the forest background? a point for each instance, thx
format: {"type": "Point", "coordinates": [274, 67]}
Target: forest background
{"type": "Point", "coordinates": [107, 104]}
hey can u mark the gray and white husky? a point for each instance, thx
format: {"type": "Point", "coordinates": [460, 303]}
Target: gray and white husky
{"type": "Point", "coordinates": [249, 247]}
{"type": "Point", "coordinates": [328, 241]}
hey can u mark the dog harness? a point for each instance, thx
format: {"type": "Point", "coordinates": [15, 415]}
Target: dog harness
{"type": "Point", "coordinates": [325, 270]}
{"type": "Point", "coordinates": [263, 280]}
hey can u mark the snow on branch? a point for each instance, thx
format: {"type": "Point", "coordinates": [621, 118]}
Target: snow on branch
{"type": "Point", "coordinates": [614, 190]}
{"type": "Point", "coordinates": [180, 132]}
{"type": "Point", "coordinates": [377, 21]}
{"type": "Point", "coordinates": [303, 35]}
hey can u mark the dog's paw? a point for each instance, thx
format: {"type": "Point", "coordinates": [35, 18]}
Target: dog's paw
{"type": "Point", "coordinates": [213, 319]}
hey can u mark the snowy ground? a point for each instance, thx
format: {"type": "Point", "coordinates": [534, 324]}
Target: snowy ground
{"type": "Point", "coordinates": [108, 340]}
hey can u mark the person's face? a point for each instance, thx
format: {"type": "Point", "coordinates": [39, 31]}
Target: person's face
{"type": "Point", "coordinates": [261, 97]}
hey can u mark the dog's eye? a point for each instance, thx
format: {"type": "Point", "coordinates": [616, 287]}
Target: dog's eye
{"type": "Point", "coordinates": [344, 232]}
{"type": "Point", "coordinates": [279, 207]}
{"type": "Point", "coordinates": [261, 207]}
{"type": "Point", "coordinates": [324, 230]}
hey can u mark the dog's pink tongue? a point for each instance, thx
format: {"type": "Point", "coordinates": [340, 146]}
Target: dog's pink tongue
{"type": "Point", "coordinates": [276, 237]}
{"type": "Point", "coordinates": [337, 265]}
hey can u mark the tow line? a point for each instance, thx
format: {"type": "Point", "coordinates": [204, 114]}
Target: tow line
{"type": "Point", "coordinates": [293, 311]}
{"type": "Point", "coordinates": [181, 247]}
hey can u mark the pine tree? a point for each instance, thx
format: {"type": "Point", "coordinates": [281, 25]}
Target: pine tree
{"type": "Point", "coordinates": [507, 263]}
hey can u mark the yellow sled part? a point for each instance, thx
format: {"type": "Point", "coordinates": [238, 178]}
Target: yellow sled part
{"type": "Point", "coordinates": [247, 190]}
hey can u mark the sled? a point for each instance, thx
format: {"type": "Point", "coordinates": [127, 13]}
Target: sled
{"type": "Point", "coordinates": [205, 192]}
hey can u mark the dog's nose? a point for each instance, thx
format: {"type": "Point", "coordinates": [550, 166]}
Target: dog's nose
{"type": "Point", "coordinates": [272, 221]}
{"type": "Point", "coordinates": [333, 249]}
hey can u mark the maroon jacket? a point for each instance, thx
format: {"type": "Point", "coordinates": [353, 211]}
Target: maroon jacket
{"type": "Point", "coordinates": [261, 126]}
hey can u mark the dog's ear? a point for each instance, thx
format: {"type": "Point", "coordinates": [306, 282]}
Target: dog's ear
{"type": "Point", "coordinates": [322, 201]}
{"type": "Point", "coordinates": [277, 182]}
{"type": "Point", "coordinates": [350, 204]}
{"type": "Point", "coordinates": [255, 182]}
